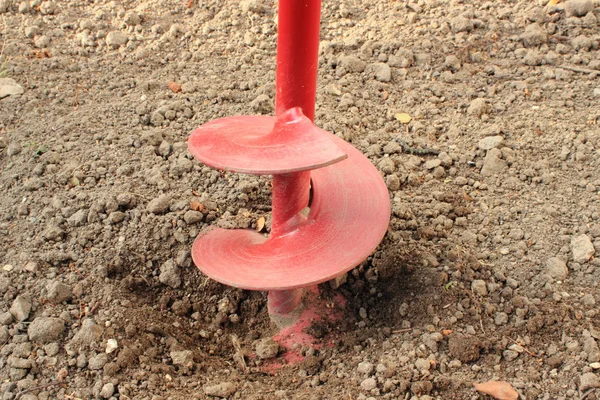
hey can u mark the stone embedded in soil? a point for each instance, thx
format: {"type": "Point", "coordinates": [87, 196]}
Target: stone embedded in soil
{"type": "Point", "coordinates": [478, 107]}
{"type": "Point", "coordinates": [193, 217]}
{"type": "Point", "coordinates": [368, 384]}
{"type": "Point", "coordinates": [183, 357]}
{"type": "Point", "coordinates": [59, 292]}
{"type": "Point", "coordinates": [10, 87]}
{"type": "Point", "coordinates": [116, 39]}
{"type": "Point", "coordinates": [98, 361]}
{"type": "Point", "coordinates": [159, 205]}
{"type": "Point", "coordinates": [578, 8]}
{"type": "Point", "coordinates": [461, 24]}
{"type": "Point", "coordinates": [20, 308]}
{"type": "Point", "coordinates": [381, 72]}
{"type": "Point", "coordinates": [465, 348]}
{"type": "Point", "coordinates": [534, 35]}
{"type": "Point", "coordinates": [556, 268]}
{"type": "Point", "coordinates": [169, 274]}
{"type": "Point", "coordinates": [353, 64]}
{"type": "Point", "coordinates": [589, 380]}
{"type": "Point", "coordinates": [365, 368]}
{"type": "Point", "coordinates": [267, 348]}
{"type": "Point", "coordinates": [583, 248]}
{"type": "Point", "coordinates": [479, 287]}
{"type": "Point", "coordinates": [45, 329]}
{"type": "Point", "coordinates": [107, 390]}
{"type": "Point", "coordinates": [6, 318]}
{"type": "Point", "coordinates": [4, 335]}
{"type": "Point", "coordinates": [490, 142]}
{"type": "Point", "coordinates": [88, 333]}
{"type": "Point", "coordinates": [223, 389]}
{"type": "Point", "coordinates": [47, 8]}
{"type": "Point", "coordinates": [421, 387]}
{"type": "Point", "coordinates": [493, 164]}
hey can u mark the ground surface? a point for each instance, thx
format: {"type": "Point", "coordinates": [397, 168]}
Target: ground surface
{"type": "Point", "coordinates": [488, 268]}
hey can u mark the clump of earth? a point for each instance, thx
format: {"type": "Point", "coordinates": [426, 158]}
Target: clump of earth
{"type": "Point", "coordinates": [489, 269]}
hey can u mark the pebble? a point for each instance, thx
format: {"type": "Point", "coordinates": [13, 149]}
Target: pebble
{"type": "Point", "coordinates": [534, 35]}
{"type": "Point", "coordinates": [183, 357]}
{"type": "Point", "coordinates": [107, 390]}
{"type": "Point", "coordinates": [365, 368]}
{"type": "Point", "coordinates": [490, 142]}
{"type": "Point", "coordinates": [381, 71]}
{"type": "Point", "coordinates": [41, 41]}
{"type": "Point", "coordinates": [479, 287]}
{"type": "Point", "coordinates": [88, 333]}
{"type": "Point", "coordinates": [556, 268]}
{"type": "Point", "coordinates": [169, 274]}
{"type": "Point", "coordinates": [193, 217]}
{"type": "Point", "coordinates": [4, 335]}
{"type": "Point", "coordinates": [6, 318]}
{"type": "Point", "coordinates": [578, 8]}
{"type": "Point", "coordinates": [223, 389]}
{"type": "Point", "coordinates": [353, 63]}
{"type": "Point", "coordinates": [159, 205]}
{"type": "Point", "coordinates": [116, 39]}
{"type": "Point", "coordinates": [478, 107]}
{"type": "Point", "coordinates": [111, 345]}
{"type": "Point", "coordinates": [493, 164]}
{"type": "Point", "coordinates": [368, 384]}
{"type": "Point", "coordinates": [21, 307]}
{"type": "Point", "coordinates": [583, 248]}
{"type": "Point", "coordinates": [97, 361]}
{"type": "Point", "coordinates": [59, 292]}
{"type": "Point", "coordinates": [47, 8]}
{"type": "Point", "coordinates": [267, 348]}
{"type": "Point", "coordinates": [10, 87]}
{"type": "Point", "coordinates": [461, 24]}
{"type": "Point", "coordinates": [45, 329]}
{"type": "Point", "coordinates": [589, 380]}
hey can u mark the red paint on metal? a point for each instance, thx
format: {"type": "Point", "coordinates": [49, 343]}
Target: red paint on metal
{"type": "Point", "coordinates": [350, 209]}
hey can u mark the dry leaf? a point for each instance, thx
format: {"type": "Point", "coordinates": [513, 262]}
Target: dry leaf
{"type": "Point", "coordinates": [553, 2]}
{"type": "Point", "coordinates": [403, 118]}
{"type": "Point", "coordinates": [467, 197]}
{"type": "Point", "coordinates": [195, 193]}
{"type": "Point", "coordinates": [498, 390]}
{"type": "Point", "coordinates": [190, 3]}
{"type": "Point", "coordinates": [260, 224]}
{"type": "Point", "coordinates": [446, 332]}
{"type": "Point", "coordinates": [196, 206]}
{"type": "Point", "coordinates": [175, 87]}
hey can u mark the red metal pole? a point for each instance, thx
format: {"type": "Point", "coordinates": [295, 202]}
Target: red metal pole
{"type": "Point", "coordinates": [296, 86]}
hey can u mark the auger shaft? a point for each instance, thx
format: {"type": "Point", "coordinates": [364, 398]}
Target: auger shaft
{"type": "Point", "coordinates": [296, 85]}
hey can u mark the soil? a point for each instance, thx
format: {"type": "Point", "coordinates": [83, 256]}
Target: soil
{"type": "Point", "coordinates": [487, 272]}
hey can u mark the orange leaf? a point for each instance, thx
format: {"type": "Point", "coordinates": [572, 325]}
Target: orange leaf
{"type": "Point", "coordinates": [446, 332]}
{"type": "Point", "coordinates": [498, 390]}
{"type": "Point", "coordinates": [196, 206]}
{"type": "Point", "coordinates": [195, 193]}
{"type": "Point", "coordinates": [175, 87]}
{"type": "Point", "coordinates": [190, 3]}
{"type": "Point", "coordinates": [467, 197]}
{"type": "Point", "coordinates": [260, 224]}
{"type": "Point", "coordinates": [553, 2]}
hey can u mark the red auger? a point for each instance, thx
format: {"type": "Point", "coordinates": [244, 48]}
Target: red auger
{"type": "Point", "coordinates": [350, 207]}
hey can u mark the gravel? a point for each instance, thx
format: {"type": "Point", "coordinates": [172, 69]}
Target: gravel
{"type": "Point", "coordinates": [46, 329]}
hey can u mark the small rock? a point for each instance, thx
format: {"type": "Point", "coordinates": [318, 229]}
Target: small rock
{"type": "Point", "coordinates": [98, 361]}
{"type": "Point", "coordinates": [267, 348]}
{"type": "Point", "coordinates": [184, 357]}
{"type": "Point", "coordinates": [45, 329]}
{"type": "Point", "coordinates": [465, 348]}
{"type": "Point", "coordinates": [589, 380]}
{"type": "Point", "coordinates": [107, 390]}
{"type": "Point", "coordinates": [501, 318]}
{"type": "Point", "coordinates": [478, 107]}
{"type": "Point", "coordinates": [4, 335]}
{"type": "Point", "coordinates": [381, 72]}
{"type": "Point", "coordinates": [365, 368]}
{"type": "Point", "coordinates": [556, 268]}
{"type": "Point", "coordinates": [534, 35]}
{"type": "Point", "coordinates": [493, 164]}
{"type": "Point", "coordinates": [479, 287]}
{"type": "Point", "coordinates": [160, 205]}
{"type": "Point", "coordinates": [510, 355]}
{"type": "Point", "coordinates": [111, 345]}
{"type": "Point", "coordinates": [6, 318]}
{"type": "Point", "coordinates": [579, 8]}
{"type": "Point", "coordinates": [461, 24]}
{"type": "Point", "coordinates": [9, 87]}
{"type": "Point", "coordinates": [422, 364]}
{"type": "Point", "coordinates": [338, 281]}
{"type": "Point", "coordinates": [421, 387]}
{"type": "Point", "coordinates": [193, 217]}
{"type": "Point", "coordinates": [58, 292]}
{"type": "Point", "coordinates": [116, 39]}
{"type": "Point", "coordinates": [262, 104]}
{"type": "Point", "coordinates": [21, 307]}
{"type": "Point", "coordinates": [88, 333]}
{"type": "Point", "coordinates": [164, 149]}
{"type": "Point", "coordinates": [41, 41]}
{"type": "Point", "coordinates": [353, 64]}
{"type": "Point", "coordinates": [224, 389]}
{"type": "Point", "coordinates": [5, 6]}
{"type": "Point", "coordinates": [368, 384]}
{"type": "Point", "coordinates": [169, 274]}
{"type": "Point", "coordinates": [452, 63]}
{"type": "Point", "coordinates": [583, 248]}
{"type": "Point", "coordinates": [490, 142]}
{"type": "Point", "coordinates": [47, 8]}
